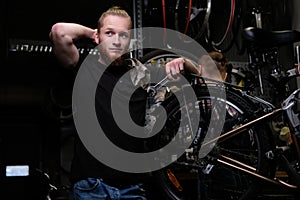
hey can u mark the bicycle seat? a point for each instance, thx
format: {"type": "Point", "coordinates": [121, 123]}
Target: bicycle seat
{"type": "Point", "coordinates": [267, 39]}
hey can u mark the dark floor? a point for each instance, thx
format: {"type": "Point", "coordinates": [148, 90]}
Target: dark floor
{"type": "Point", "coordinates": [271, 192]}
{"type": "Point", "coordinates": [278, 196]}
{"type": "Point", "coordinates": [18, 188]}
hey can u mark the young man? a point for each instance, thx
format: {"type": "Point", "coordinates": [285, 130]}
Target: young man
{"type": "Point", "coordinates": [90, 178]}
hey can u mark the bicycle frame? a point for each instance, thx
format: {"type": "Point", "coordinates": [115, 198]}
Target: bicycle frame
{"type": "Point", "coordinates": [250, 159]}
{"type": "Point", "coordinates": [270, 111]}
{"type": "Point", "coordinates": [240, 166]}
{"type": "Point", "coordinates": [294, 122]}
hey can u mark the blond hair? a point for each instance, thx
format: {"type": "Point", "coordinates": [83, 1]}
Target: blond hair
{"type": "Point", "coordinates": [116, 11]}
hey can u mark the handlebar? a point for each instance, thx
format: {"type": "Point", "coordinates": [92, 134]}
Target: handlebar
{"type": "Point", "coordinates": [153, 89]}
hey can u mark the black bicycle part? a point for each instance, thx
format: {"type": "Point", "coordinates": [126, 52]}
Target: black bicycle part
{"type": "Point", "coordinates": [264, 61]}
{"type": "Point", "coordinates": [191, 17]}
{"type": "Point", "coordinates": [185, 178]}
{"type": "Point", "coordinates": [223, 25]}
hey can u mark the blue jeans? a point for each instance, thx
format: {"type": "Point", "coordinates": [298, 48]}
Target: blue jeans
{"type": "Point", "coordinates": [96, 189]}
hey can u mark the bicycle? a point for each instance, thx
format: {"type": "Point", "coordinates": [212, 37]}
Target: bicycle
{"type": "Point", "coordinates": [247, 153]}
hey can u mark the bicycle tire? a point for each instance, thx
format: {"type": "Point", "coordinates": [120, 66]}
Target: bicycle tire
{"type": "Point", "coordinates": [187, 182]}
{"type": "Point", "coordinates": [222, 37]}
{"type": "Point", "coordinates": [193, 22]}
{"type": "Point", "coordinates": [163, 56]}
{"type": "Point", "coordinates": [158, 55]}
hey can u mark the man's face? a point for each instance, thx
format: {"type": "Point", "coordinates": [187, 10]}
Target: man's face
{"type": "Point", "coordinates": [114, 37]}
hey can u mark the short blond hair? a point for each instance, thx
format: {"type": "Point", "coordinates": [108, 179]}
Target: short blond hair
{"type": "Point", "coordinates": [116, 11]}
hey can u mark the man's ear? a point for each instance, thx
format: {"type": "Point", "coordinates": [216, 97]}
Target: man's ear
{"type": "Point", "coordinates": [96, 37]}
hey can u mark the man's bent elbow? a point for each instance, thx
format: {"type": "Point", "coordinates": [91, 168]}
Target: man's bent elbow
{"type": "Point", "coordinates": [57, 31]}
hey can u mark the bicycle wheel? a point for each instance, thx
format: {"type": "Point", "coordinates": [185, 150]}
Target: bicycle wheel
{"type": "Point", "coordinates": [191, 177]}
{"type": "Point", "coordinates": [161, 56]}
{"type": "Point", "coordinates": [158, 56]}
{"type": "Point", "coordinates": [223, 25]}
{"type": "Point", "coordinates": [191, 17]}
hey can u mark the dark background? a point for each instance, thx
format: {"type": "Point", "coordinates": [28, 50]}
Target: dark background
{"type": "Point", "coordinates": [31, 131]}
{"type": "Point", "coordinates": [34, 89]}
